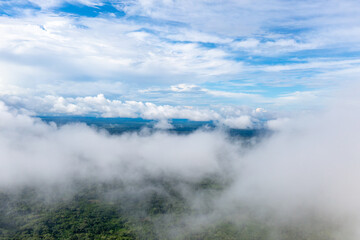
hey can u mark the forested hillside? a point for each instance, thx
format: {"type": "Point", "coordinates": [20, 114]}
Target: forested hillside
{"type": "Point", "coordinates": [153, 209]}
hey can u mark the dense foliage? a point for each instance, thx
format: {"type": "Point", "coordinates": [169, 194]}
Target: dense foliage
{"type": "Point", "coordinates": [112, 211]}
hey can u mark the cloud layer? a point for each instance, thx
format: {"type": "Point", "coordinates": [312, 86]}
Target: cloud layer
{"type": "Point", "coordinates": [244, 52]}
{"type": "Point", "coordinates": [309, 167]}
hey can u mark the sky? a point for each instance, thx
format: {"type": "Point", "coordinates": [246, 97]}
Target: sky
{"type": "Point", "coordinates": [234, 61]}
{"type": "Point", "coordinates": [287, 65]}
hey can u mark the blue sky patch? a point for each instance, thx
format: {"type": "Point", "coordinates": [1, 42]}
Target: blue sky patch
{"type": "Point", "coordinates": [90, 11]}
{"type": "Point", "coordinates": [12, 8]}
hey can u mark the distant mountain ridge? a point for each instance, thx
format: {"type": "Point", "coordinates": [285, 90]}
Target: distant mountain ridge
{"type": "Point", "coordinates": [123, 125]}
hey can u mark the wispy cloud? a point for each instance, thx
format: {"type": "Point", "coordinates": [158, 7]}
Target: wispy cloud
{"type": "Point", "coordinates": [49, 50]}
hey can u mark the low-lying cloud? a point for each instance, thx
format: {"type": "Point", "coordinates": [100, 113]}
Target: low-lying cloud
{"type": "Point", "coordinates": [308, 168]}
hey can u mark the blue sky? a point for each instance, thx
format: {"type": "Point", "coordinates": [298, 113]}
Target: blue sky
{"type": "Point", "coordinates": [169, 58]}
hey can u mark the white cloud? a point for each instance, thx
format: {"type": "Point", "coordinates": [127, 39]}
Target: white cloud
{"type": "Point", "coordinates": [319, 64]}
{"type": "Point", "coordinates": [230, 116]}
{"type": "Point", "coordinates": [59, 64]}
{"type": "Point", "coordinates": [248, 43]}
{"type": "Point", "coordinates": [277, 124]}
{"type": "Point", "coordinates": [232, 94]}
{"type": "Point", "coordinates": [74, 150]}
{"type": "Point", "coordinates": [197, 36]}
{"type": "Point", "coordinates": [299, 101]}
{"type": "Point", "coordinates": [110, 108]}
{"type": "Point", "coordinates": [205, 15]}
{"type": "Point", "coordinates": [163, 124]}
{"type": "Point", "coordinates": [195, 89]}
{"type": "Point", "coordinates": [48, 4]}
{"type": "Point", "coordinates": [185, 88]}
{"type": "Point", "coordinates": [242, 122]}
{"type": "Point", "coordinates": [36, 50]}
{"type": "Point", "coordinates": [273, 47]}
{"type": "Point", "coordinates": [307, 170]}
{"type": "Point", "coordinates": [167, 43]}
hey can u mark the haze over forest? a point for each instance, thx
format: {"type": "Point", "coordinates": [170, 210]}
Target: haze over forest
{"type": "Point", "coordinates": [176, 119]}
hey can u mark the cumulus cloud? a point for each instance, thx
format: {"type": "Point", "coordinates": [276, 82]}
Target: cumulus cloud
{"type": "Point", "coordinates": [231, 116]}
{"type": "Point", "coordinates": [163, 124]}
{"type": "Point", "coordinates": [242, 122]}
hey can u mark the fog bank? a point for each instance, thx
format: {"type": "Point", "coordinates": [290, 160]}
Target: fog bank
{"type": "Point", "coordinates": [308, 169]}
